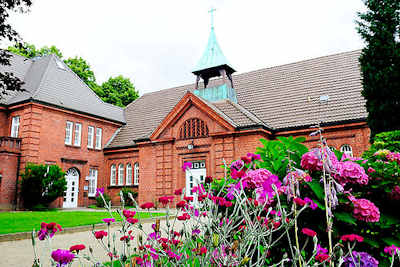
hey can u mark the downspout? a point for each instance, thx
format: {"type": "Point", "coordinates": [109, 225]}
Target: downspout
{"type": "Point", "coordinates": [16, 182]}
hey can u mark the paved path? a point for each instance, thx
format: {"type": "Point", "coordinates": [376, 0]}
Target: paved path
{"type": "Point", "coordinates": [20, 253]}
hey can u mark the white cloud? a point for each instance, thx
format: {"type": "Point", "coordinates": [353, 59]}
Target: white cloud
{"type": "Point", "coordinates": [157, 43]}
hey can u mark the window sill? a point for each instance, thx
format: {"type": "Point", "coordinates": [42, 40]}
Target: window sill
{"type": "Point", "coordinates": [93, 149]}
{"type": "Point", "coordinates": [121, 186]}
{"type": "Point", "coordinates": [72, 146]}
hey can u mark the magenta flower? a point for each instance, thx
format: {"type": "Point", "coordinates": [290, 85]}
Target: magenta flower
{"type": "Point", "coordinates": [312, 204]}
{"type": "Point", "coordinates": [99, 191]}
{"type": "Point", "coordinates": [308, 232]}
{"type": "Point", "coordinates": [62, 257]}
{"type": "Point", "coordinates": [391, 250]}
{"type": "Point", "coordinates": [365, 210]}
{"type": "Point", "coordinates": [108, 220]}
{"type": "Point", "coordinates": [350, 172]}
{"type": "Point", "coordinates": [186, 165]}
{"type": "Point", "coordinates": [351, 238]}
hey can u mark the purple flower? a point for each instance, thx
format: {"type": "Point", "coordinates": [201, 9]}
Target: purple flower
{"type": "Point", "coordinates": [196, 232]}
{"type": "Point", "coordinates": [313, 206]}
{"type": "Point", "coordinates": [62, 257]}
{"type": "Point", "coordinates": [237, 165]}
{"type": "Point", "coordinates": [154, 236]}
{"type": "Point", "coordinates": [108, 220]}
{"type": "Point", "coordinates": [186, 165]}
{"type": "Point", "coordinates": [361, 259]}
{"type": "Point", "coordinates": [99, 191]}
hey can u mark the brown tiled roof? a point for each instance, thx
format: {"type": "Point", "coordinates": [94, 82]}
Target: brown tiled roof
{"type": "Point", "coordinates": [281, 97]}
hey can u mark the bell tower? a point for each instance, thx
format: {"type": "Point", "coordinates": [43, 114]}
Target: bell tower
{"type": "Point", "coordinates": [214, 64]}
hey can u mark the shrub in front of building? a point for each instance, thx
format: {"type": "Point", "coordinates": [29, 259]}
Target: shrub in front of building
{"type": "Point", "coordinates": [40, 185]}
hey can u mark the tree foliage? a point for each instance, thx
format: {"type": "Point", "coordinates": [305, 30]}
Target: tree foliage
{"type": "Point", "coordinates": [118, 91]}
{"type": "Point", "coordinates": [41, 185]}
{"type": "Point", "coordinates": [9, 82]}
{"type": "Point", "coordinates": [379, 27]}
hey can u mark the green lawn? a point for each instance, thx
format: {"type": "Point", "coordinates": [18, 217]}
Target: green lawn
{"type": "Point", "coordinates": [14, 222]}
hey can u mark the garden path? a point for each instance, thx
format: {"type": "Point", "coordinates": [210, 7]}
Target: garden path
{"type": "Point", "coordinates": [20, 253]}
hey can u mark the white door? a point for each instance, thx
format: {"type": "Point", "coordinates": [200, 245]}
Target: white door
{"type": "Point", "coordinates": [193, 178]}
{"type": "Point", "coordinates": [71, 194]}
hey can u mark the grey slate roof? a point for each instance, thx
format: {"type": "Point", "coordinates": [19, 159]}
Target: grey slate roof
{"type": "Point", "coordinates": [47, 82]}
{"type": "Point", "coordinates": [279, 98]}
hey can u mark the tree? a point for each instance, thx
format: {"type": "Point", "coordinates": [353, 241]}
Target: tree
{"type": "Point", "coordinates": [379, 27]}
{"type": "Point", "coordinates": [41, 185]}
{"type": "Point", "coordinates": [118, 91]}
{"type": "Point", "coordinates": [30, 51]}
{"type": "Point", "coordinates": [9, 82]}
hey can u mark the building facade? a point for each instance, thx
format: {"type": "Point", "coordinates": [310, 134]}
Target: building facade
{"type": "Point", "coordinates": [59, 120]}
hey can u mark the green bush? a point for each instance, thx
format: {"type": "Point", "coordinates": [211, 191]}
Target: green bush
{"type": "Point", "coordinates": [100, 201]}
{"type": "Point", "coordinates": [125, 193]}
{"type": "Point", "coordinates": [41, 184]}
{"type": "Point", "coordinates": [385, 140]}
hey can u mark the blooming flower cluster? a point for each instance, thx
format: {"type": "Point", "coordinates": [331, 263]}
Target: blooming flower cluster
{"type": "Point", "coordinates": [47, 230]}
{"type": "Point", "coordinates": [350, 172]}
{"type": "Point", "coordinates": [365, 210]}
{"type": "Point", "coordinates": [62, 257]}
{"type": "Point", "coordinates": [360, 259]}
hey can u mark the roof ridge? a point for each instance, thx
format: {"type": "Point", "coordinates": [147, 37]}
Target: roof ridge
{"type": "Point", "coordinates": [44, 74]}
{"type": "Point", "coordinates": [247, 113]}
{"type": "Point", "coordinates": [27, 58]}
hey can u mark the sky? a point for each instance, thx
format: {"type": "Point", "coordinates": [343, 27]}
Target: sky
{"type": "Point", "coordinates": [157, 43]}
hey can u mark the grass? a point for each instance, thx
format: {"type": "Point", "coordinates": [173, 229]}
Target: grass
{"type": "Point", "coordinates": [26, 221]}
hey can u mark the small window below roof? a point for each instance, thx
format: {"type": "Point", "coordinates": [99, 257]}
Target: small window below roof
{"type": "Point", "coordinates": [60, 65]}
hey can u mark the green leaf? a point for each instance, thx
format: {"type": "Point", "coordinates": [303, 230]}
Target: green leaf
{"type": "Point", "coordinates": [317, 188]}
{"type": "Point", "coordinates": [346, 217]}
{"type": "Point", "coordinates": [371, 242]}
{"type": "Point", "coordinates": [391, 241]}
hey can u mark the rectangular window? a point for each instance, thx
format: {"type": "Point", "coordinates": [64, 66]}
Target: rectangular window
{"type": "Point", "coordinates": [15, 126]}
{"type": "Point", "coordinates": [98, 138]}
{"type": "Point", "coordinates": [68, 133]}
{"type": "Point", "coordinates": [92, 178]}
{"type": "Point", "coordinates": [78, 131]}
{"type": "Point", "coordinates": [90, 137]}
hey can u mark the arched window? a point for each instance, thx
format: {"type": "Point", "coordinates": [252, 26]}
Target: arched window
{"type": "Point", "coordinates": [128, 174]}
{"type": "Point", "coordinates": [193, 128]}
{"type": "Point", "coordinates": [346, 149]}
{"type": "Point", "coordinates": [136, 174]}
{"type": "Point", "coordinates": [121, 174]}
{"type": "Point", "coordinates": [113, 175]}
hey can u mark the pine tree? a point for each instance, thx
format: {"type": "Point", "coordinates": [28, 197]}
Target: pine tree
{"type": "Point", "coordinates": [379, 27]}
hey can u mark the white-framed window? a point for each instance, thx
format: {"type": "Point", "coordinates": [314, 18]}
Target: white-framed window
{"type": "Point", "coordinates": [68, 133]}
{"type": "Point", "coordinates": [90, 136]}
{"type": "Point", "coordinates": [128, 174]}
{"type": "Point", "coordinates": [136, 174]}
{"type": "Point", "coordinates": [15, 126]}
{"type": "Point", "coordinates": [346, 149]}
{"type": "Point", "coordinates": [78, 132]}
{"type": "Point", "coordinates": [113, 175]}
{"type": "Point", "coordinates": [98, 138]}
{"type": "Point", "coordinates": [121, 174]}
{"type": "Point", "coordinates": [92, 178]}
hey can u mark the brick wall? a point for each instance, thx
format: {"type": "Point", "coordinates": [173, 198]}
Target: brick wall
{"type": "Point", "coordinates": [8, 171]}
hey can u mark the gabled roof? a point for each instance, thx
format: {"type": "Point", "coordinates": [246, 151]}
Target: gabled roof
{"type": "Point", "coordinates": [48, 80]}
{"type": "Point", "coordinates": [282, 97]}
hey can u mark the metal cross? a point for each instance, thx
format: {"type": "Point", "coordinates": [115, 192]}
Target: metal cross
{"type": "Point", "coordinates": [211, 11]}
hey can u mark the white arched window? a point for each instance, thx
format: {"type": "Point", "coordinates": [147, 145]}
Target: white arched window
{"type": "Point", "coordinates": [346, 149]}
{"type": "Point", "coordinates": [128, 174]}
{"type": "Point", "coordinates": [136, 174]}
{"type": "Point", "coordinates": [113, 175]}
{"type": "Point", "coordinates": [121, 174]}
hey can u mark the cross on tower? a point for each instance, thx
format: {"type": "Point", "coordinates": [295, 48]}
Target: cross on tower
{"type": "Point", "coordinates": [211, 11]}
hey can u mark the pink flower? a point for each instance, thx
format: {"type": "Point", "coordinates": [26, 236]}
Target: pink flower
{"type": "Point", "coordinates": [63, 257]}
{"type": "Point", "coordinates": [178, 192]}
{"type": "Point", "coordinates": [312, 204]}
{"type": "Point", "coordinates": [181, 204]}
{"type": "Point", "coordinates": [322, 257]}
{"type": "Point", "coordinates": [108, 220]}
{"type": "Point", "coordinates": [147, 205]}
{"type": "Point", "coordinates": [165, 200]}
{"type": "Point", "coordinates": [186, 165]}
{"type": "Point", "coordinates": [132, 220]}
{"type": "Point", "coordinates": [351, 238]}
{"type": "Point", "coordinates": [188, 199]}
{"type": "Point", "coordinates": [128, 213]}
{"type": "Point", "coordinates": [312, 160]}
{"type": "Point", "coordinates": [308, 232]}
{"type": "Point", "coordinates": [184, 217]}
{"type": "Point", "coordinates": [254, 156]}
{"type": "Point", "coordinates": [100, 234]}
{"type": "Point", "coordinates": [299, 201]}
{"type": "Point", "coordinates": [371, 170]}
{"type": "Point", "coordinates": [365, 210]}
{"type": "Point", "coordinates": [395, 194]}
{"type": "Point", "coordinates": [203, 250]}
{"type": "Point", "coordinates": [350, 172]}
{"type": "Point", "coordinates": [77, 248]}
{"type": "Point", "coordinates": [391, 250]}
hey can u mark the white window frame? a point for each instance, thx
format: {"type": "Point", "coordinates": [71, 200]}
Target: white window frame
{"type": "Point", "coordinates": [113, 174]}
{"type": "Point", "coordinates": [121, 174]}
{"type": "Point", "coordinates": [136, 173]}
{"type": "Point", "coordinates": [99, 132]}
{"type": "Point", "coordinates": [68, 132]}
{"type": "Point", "coordinates": [90, 136]}
{"type": "Point", "coordinates": [92, 178]}
{"type": "Point", "coordinates": [128, 174]}
{"type": "Point", "coordinates": [15, 126]}
{"type": "Point", "coordinates": [347, 149]}
{"type": "Point", "coordinates": [78, 134]}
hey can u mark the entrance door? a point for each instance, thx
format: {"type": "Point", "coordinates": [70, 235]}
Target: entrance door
{"type": "Point", "coordinates": [193, 178]}
{"type": "Point", "coordinates": [71, 194]}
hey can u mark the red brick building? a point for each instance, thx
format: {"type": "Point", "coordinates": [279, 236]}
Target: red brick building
{"type": "Point", "coordinates": [218, 119]}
